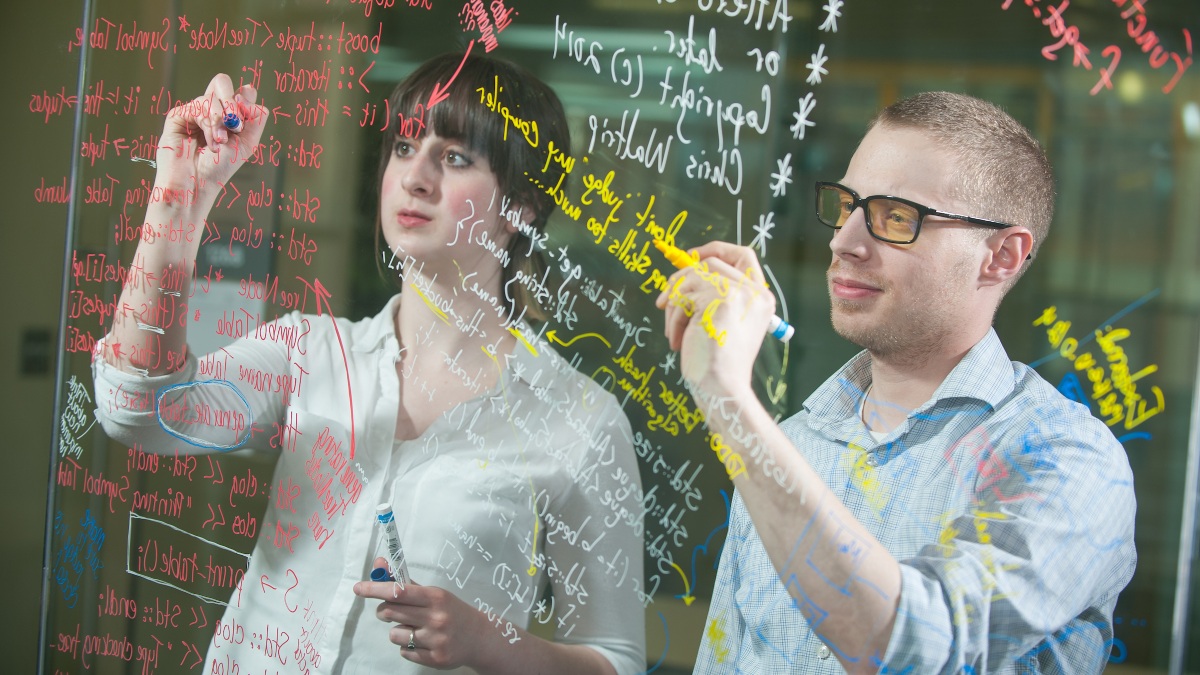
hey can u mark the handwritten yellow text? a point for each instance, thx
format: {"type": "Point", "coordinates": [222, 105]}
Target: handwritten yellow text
{"type": "Point", "coordinates": [734, 464]}
{"type": "Point", "coordinates": [1110, 378]}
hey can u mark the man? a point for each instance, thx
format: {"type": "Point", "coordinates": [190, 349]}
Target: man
{"type": "Point", "coordinates": [935, 507]}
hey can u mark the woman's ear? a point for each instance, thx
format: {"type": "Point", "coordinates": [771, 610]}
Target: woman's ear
{"type": "Point", "coordinates": [518, 218]}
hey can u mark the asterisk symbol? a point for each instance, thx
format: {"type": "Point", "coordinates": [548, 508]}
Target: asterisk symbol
{"type": "Point", "coordinates": [218, 275]}
{"type": "Point", "coordinates": [518, 370]}
{"type": "Point", "coordinates": [801, 116]}
{"type": "Point", "coordinates": [183, 22]}
{"type": "Point", "coordinates": [816, 64]}
{"type": "Point", "coordinates": [783, 177]}
{"type": "Point", "coordinates": [833, 9]}
{"type": "Point", "coordinates": [668, 363]}
{"type": "Point", "coordinates": [766, 223]}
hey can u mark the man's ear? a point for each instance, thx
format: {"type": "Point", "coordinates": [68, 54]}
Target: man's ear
{"type": "Point", "coordinates": [1008, 251]}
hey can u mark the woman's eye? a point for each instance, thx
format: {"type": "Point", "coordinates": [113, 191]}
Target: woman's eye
{"type": "Point", "coordinates": [456, 158]}
{"type": "Point", "coordinates": [402, 148]}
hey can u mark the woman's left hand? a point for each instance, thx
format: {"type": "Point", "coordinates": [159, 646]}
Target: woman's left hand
{"type": "Point", "coordinates": [445, 631]}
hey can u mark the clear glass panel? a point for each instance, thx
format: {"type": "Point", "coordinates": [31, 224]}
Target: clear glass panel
{"type": "Point", "coordinates": [690, 122]}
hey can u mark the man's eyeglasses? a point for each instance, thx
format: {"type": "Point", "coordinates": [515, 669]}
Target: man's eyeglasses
{"type": "Point", "coordinates": [891, 219]}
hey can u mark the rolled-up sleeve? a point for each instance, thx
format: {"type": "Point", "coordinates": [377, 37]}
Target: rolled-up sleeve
{"type": "Point", "coordinates": [1032, 570]}
{"type": "Point", "coordinates": [194, 413]}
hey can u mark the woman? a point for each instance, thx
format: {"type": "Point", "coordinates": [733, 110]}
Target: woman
{"type": "Point", "coordinates": [494, 453]}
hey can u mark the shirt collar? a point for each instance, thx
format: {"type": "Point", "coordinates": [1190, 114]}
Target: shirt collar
{"type": "Point", "coordinates": [378, 328]}
{"type": "Point", "coordinates": [985, 374]}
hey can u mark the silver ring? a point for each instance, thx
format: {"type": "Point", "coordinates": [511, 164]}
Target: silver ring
{"type": "Point", "coordinates": [412, 634]}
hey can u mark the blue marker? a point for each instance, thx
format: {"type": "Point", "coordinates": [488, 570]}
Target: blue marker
{"type": "Point", "coordinates": [395, 552]}
{"type": "Point", "coordinates": [381, 574]}
{"type": "Point", "coordinates": [233, 122]}
{"type": "Point", "coordinates": [780, 329]}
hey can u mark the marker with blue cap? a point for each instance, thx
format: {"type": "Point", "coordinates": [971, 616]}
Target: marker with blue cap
{"type": "Point", "coordinates": [387, 519]}
{"type": "Point", "coordinates": [778, 328]}
{"type": "Point", "coordinates": [233, 122]}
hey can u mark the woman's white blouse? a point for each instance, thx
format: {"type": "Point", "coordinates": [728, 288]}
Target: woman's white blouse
{"type": "Point", "coordinates": [531, 484]}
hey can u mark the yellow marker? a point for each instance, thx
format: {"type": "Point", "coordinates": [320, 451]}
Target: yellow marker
{"type": "Point", "coordinates": [778, 328]}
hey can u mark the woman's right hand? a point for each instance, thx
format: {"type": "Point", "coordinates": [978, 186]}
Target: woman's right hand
{"type": "Point", "coordinates": [197, 155]}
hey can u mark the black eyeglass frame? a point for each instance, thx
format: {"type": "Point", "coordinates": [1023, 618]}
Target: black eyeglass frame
{"type": "Point", "coordinates": [921, 209]}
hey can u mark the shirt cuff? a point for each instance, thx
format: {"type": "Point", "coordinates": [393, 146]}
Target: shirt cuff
{"type": "Point", "coordinates": [921, 635]}
{"type": "Point", "coordinates": [127, 398]}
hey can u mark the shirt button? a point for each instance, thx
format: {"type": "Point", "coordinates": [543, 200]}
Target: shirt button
{"type": "Point", "coordinates": [872, 460]}
{"type": "Point", "coordinates": [823, 652]}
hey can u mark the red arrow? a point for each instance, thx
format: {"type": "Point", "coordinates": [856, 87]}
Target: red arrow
{"type": "Point", "coordinates": [276, 113]}
{"type": "Point", "coordinates": [323, 295]}
{"type": "Point", "coordinates": [439, 92]}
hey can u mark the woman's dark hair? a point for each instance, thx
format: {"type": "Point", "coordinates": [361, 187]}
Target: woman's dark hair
{"type": "Point", "coordinates": [500, 111]}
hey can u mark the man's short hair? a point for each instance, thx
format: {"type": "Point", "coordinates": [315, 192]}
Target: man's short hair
{"type": "Point", "coordinates": [1003, 173]}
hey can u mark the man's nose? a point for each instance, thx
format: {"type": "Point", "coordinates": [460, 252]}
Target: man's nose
{"type": "Point", "coordinates": [853, 237]}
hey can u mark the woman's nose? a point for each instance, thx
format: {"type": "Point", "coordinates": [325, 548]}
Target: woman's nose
{"type": "Point", "coordinates": [420, 174]}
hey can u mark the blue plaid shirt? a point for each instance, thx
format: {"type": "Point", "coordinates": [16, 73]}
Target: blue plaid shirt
{"type": "Point", "coordinates": [1009, 507]}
